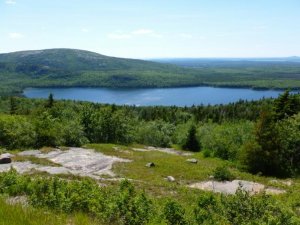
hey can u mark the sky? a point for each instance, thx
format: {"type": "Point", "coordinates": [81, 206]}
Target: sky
{"type": "Point", "coordinates": [154, 28]}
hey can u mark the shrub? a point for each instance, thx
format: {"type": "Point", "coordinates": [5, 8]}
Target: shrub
{"type": "Point", "coordinates": [223, 174]}
{"type": "Point", "coordinates": [16, 132]}
{"type": "Point", "coordinates": [226, 140]}
{"type": "Point", "coordinates": [174, 213]}
{"type": "Point", "coordinates": [155, 133]}
{"type": "Point", "coordinates": [129, 207]}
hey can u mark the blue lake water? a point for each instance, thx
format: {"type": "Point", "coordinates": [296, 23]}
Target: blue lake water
{"type": "Point", "coordinates": [184, 96]}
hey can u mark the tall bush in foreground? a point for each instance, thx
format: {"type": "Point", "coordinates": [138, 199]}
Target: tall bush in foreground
{"type": "Point", "coordinates": [174, 214]}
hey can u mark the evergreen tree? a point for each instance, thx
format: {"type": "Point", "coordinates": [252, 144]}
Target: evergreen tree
{"type": "Point", "coordinates": [192, 142]}
{"type": "Point", "coordinates": [13, 105]}
{"type": "Point", "coordinates": [286, 105]}
{"type": "Point", "coordinates": [50, 101]}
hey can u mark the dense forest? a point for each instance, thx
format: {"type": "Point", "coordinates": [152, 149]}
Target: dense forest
{"type": "Point", "coordinates": [70, 68]}
{"type": "Point", "coordinates": [257, 137]}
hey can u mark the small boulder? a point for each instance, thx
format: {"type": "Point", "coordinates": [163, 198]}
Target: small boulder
{"type": "Point", "coordinates": [192, 160]}
{"type": "Point", "coordinates": [170, 178]}
{"type": "Point", "coordinates": [5, 158]}
{"type": "Point", "coordinates": [150, 164]}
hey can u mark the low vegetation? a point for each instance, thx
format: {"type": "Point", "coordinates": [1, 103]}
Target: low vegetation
{"type": "Point", "coordinates": [126, 205]}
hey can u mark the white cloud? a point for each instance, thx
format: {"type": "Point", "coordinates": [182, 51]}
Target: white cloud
{"type": "Point", "coordinates": [15, 35]}
{"type": "Point", "coordinates": [142, 32]}
{"type": "Point", "coordinates": [119, 36]}
{"type": "Point", "coordinates": [10, 2]}
{"type": "Point", "coordinates": [187, 36]}
{"type": "Point", "coordinates": [135, 33]}
{"type": "Point", "coordinates": [146, 32]}
{"type": "Point", "coordinates": [85, 30]}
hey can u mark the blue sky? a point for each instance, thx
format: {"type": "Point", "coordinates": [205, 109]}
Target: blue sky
{"type": "Point", "coordinates": [154, 29]}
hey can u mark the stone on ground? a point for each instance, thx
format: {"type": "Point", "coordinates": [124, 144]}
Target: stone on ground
{"type": "Point", "coordinates": [170, 179]}
{"type": "Point", "coordinates": [230, 187]}
{"type": "Point", "coordinates": [150, 164]}
{"type": "Point", "coordinates": [192, 160]}
{"type": "Point", "coordinates": [5, 158]}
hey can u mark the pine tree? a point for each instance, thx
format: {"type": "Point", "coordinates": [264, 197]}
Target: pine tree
{"type": "Point", "coordinates": [192, 142]}
{"type": "Point", "coordinates": [50, 101]}
{"type": "Point", "coordinates": [13, 105]}
{"type": "Point", "coordinates": [286, 105]}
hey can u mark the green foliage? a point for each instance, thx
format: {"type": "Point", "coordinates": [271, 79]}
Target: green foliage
{"type": "Point", "coordinates": [223, 174]}
{"type": "Point", "coordinates": [225, 140]}
{"type": "Point", "coordinates": [130, 207]}
{"type": "Point", "coordinates": [13, 105]}
{"type": "Point", "coordinates": [205, 210]}
{"type": "Point", "coordinates": [275, 150]}
{"type": "Point", "coordinates": [191, 142]}
{"type": "Point", "coordinates": [50, 101]}
{"type": "Point", "coordinates": [286, 105]}
{"type": "Point", "coordinates": [125, 206]}
{"type": "Point", "coordinates": [242, 208]}
{"type": "Point", "coordinates": [16, 132]}
{"type": "Point", "coordinates": [108, 126]}
{"type": "Point", "coordinates": [174, 213]}
{"type": "Point", "coordinates": [155, 133]}
{"type": "Point", "coordinates": [289, 142]}
{"type": "Point", "coordinates": [49, 130]}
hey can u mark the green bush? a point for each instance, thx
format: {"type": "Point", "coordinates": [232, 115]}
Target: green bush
{"type": "Point", "coordinates": [129, 207]}
{"type": "Point", "coordinates": [222, 174]}
{"type": "Point", "coordinates": [173, 213]}
{"type": "Point", "coordinates": [155, 133]}
{"type": "Point", "coordinates": [16, 132]}
{"type": "Point", "coordinates": [226, 140]}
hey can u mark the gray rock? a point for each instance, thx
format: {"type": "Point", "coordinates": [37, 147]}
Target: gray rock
{"type": "Point", "coordinates": [192, 160]}
{"type": "Point", "coordinates": [30, 153]}
{"type": "Point", "coordinates": [76, 161]}
{"type": "Point", "coordinates": [5, 158]}
{"type": "Point", "coordinates": [150, 164]}
{"type": "Point", "coordinates": [170, 178]}
{"type": "Point", "coordinates": [230, 187]}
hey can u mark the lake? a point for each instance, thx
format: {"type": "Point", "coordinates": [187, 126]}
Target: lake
{"type": "Point", "coordinates": [184, 96]}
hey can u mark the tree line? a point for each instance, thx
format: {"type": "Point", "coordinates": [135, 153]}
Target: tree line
{"type": "Point", "coordinates": [261, 136]}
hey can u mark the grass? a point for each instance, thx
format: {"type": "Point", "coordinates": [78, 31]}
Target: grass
{"type": "Point", "coordinates": [152, 179]}
{"type": "Point", "coordinates": [20, 215]}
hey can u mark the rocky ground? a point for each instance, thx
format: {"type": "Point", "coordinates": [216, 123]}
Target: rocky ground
{"type": "Point", "coordinates": [76, 161]}
{"type": "Point", "coordinates": [88, 162]}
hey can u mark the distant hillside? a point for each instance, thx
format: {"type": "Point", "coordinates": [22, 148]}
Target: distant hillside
{"type": "Point", "coordinates": [71, 67]}
{"type": "Point", "coordinates": [76, 60]}
{"type": "Point", "coordinates": [229, 62]}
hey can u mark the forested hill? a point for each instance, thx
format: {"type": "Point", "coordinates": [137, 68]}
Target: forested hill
{"type": "Point", "coordinates": [75, 60]}
{"type": "Point", "coordinates": [70, 67]}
